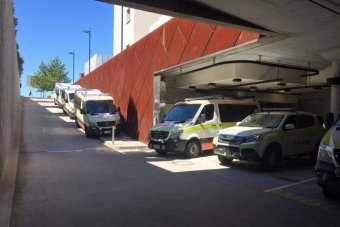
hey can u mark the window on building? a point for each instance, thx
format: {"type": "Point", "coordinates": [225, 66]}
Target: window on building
{"type": "Point", "coordinates": [128, 15]}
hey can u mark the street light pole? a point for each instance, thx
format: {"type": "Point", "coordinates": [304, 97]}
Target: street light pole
{"type": "Point", "coordinates": [89, 32]}
{"type": "Point", "coordinates": [73, 56]}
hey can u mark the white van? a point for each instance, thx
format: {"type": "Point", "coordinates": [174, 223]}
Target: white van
{"type": "Point", "coordinates": [68, 100]}
{"type": "Point", "coordinates": [96, 112]}
{"type": "Point", "coordinates": [57, 93]}
{"type": "Point", "coordinates": [190, 126]}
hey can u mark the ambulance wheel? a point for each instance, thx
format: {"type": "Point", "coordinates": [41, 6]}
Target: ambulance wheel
{"type": "Point", "coordinates": [77, 124]}
{"type": "Point", "coordinates": [224, 160]}
{"type": "Point", "coordinates": [271, 158]}
{"type": "Point", "coordinates": [192, 149]}
{"type": "Point", "coordinates": [161, 152]}
{"type": "Point", "coordinates": [87, 132]}
{"type": "Point", "coordinates": [330, 193]}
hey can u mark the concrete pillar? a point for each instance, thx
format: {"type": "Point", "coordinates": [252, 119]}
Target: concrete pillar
{"type": "Point", "coordinates": [335, 87]}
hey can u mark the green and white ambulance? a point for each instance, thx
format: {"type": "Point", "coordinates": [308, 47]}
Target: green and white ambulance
{"type": "Point", "coordinates": [68, 100]}
{"type": "Point", "coordinates": [57, 93]}
{"type": "Point", "coordinates": [96, 112]}
{"type": "Point", "coordinates": [267, 137]}
{"type": "Point", "coordinates": [190, 126]}
{"type": "Point", "coordinates": [327, 168]}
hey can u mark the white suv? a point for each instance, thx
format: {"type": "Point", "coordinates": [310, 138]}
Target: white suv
{"type": "Point", "coordinates": [267, 137]}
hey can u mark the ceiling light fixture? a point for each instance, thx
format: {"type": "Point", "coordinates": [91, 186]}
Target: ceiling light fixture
{"type": "Point", "coordinates": [212, 85]}
{"type": "Point", "coordinates": [192, 87]}
{"type": "Point", "coordinates": [237, 80]}
{"type": "Point", "coordinates": [281, 84]}
{"type": "Point", "coordinates": [253, 88]}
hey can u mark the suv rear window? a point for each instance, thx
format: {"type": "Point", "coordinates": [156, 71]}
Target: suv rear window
{"type": "Point", "coordinates": [305, 121]}
{"type": "Point", "coordinates": [235, 112]}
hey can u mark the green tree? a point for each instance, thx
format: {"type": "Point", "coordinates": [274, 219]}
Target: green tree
{"type": "Point", "coordinates": [48, 75]}
{"type": "Point", "coordinates": [20, 59]}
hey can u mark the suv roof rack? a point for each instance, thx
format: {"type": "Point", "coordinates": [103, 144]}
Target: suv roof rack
{"type": "Point", "coordinates": [278, 109]}
{"type": "Point", "coordinates": [207, 98]}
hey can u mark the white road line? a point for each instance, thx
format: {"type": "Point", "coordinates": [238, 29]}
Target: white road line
{"type": "Point", "coordinates": [290, 185]}
{"type": "Point", "coordinates": [65, 151]}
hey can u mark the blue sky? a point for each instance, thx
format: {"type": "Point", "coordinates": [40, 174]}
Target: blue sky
{"type": "Point", "coordinates": [48, 29]}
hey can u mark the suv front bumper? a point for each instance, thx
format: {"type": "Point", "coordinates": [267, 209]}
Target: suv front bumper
{"type": "Point", "coordinates": [237, 152]}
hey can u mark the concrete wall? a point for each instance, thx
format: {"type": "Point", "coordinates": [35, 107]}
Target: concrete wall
{"type": "Point", "coordinates": [10, 101]}
{"type": "Point", "coordinates": [10, 111]}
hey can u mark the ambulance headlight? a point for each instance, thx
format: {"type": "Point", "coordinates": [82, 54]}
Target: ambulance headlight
{"type": "Point", "coordinates": [176, 134]}
{"type": "Point", "coordinates": [252, 138]}
{"type": "Point", "coordinates": [324, 153]}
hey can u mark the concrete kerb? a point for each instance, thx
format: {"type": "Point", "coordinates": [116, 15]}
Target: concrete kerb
{"type": "Point", "coordinates": [124, 143]}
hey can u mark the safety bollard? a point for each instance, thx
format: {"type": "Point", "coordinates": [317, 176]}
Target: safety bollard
{"type": "Point", "coordinates": [113, 134]}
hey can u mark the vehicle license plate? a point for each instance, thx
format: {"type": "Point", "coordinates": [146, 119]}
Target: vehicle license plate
{"type": "Point", "coordinates": [107, 132]}
{"type": "Point", "coordinates": [156, 146]}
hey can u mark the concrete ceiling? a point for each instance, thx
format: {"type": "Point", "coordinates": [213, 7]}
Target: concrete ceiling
{"type": "Point", "coordinates": [306, 31]}
{"type": "Point", "coordinates": [295, 32]}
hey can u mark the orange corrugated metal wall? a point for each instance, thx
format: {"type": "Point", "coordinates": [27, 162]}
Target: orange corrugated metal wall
{"type": "Point", "coordinates": [128, 77]}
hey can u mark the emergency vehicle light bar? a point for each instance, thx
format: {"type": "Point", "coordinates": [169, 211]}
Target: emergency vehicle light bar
{"type": "Point", "coordinates": [278, 109]}
{"type": "Point", "coordinates": [206, 98]}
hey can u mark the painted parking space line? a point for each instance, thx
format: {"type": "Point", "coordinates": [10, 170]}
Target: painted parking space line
{"type": "Point", "coordinates": [291, 185]}
{"type": "Point", "coordinates": [321, 204]}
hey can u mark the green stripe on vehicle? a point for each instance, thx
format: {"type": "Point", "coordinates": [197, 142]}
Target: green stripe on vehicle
{"type": "Point", "coordinates": [326, 137]}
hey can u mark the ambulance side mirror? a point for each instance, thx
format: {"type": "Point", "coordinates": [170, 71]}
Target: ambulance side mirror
{"type": "Point", "coordinates": [118, 109]}
{"type": "Point", "coordinates": [329, 120]}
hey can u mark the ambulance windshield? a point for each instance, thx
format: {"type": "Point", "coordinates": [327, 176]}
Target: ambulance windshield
{"type": "Point", "coordinates": [71, 97]}
{"type": "Point", "coordinates": [182, 113]}
{"type": "Point", "coordinates": [262, 120]}
{"type": "Point", "coordinates": [103, 106]}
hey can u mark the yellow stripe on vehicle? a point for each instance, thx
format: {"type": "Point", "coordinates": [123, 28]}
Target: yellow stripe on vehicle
{"type": "Point", "coordinates": [209, 126]}
{"type": "Point", "coordinates": [327, 137]}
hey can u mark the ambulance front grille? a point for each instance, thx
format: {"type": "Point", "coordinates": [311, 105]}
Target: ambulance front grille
{"type": "Point", "coordinates": [106, 123]}
{"type": "Point", "coordinates": [159, 135]}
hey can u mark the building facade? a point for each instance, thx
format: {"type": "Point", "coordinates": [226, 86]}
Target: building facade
{"type": "Point", "coordinates": [129, 75]}
{"type": "Point", "coordinates": [130, 25]}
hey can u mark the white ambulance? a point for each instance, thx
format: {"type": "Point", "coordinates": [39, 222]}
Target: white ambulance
{"type": "Point", "coordinates": [190, 126]}
{"type": "Point", "coordinates": [96, 112]}
{"type": "Point", "coordinates": [327, 168]}
{"type": "Point", "coordinates": [57, 93]}
{"type": "Point", "coordinates": [68, 100]}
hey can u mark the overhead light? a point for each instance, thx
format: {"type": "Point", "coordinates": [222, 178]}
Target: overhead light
{"type": "Point", "coordinates": [192, 87]}
{"type": "Point", "coordinates": [212, 84]}
{"type": "Point", "coordinates": [237, 80]}
{"type": "Point", "coordinates": [253, 88]}
{"type": "Point", "coordinates": [281, 84]}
